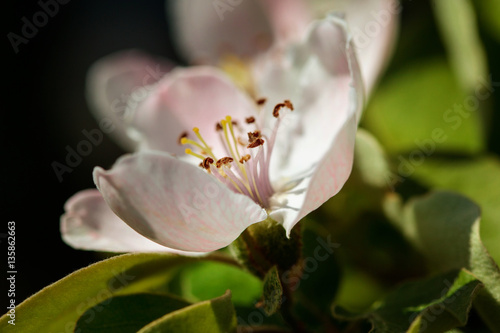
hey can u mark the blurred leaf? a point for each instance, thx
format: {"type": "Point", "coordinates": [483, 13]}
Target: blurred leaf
{"type": "Point", "coordinates": [205, 280]}
{"type": "Point", "coordinates": [127, 314]}
{"type": "Point", "coordinates": [444, 226]}
{"type": "Point", "coordinates": [478, 179]}
{"type": "Point", "coordinates": [369, 179]}
{"type": "Point", "coordinates": [423, 106]}
{"type": "Point", "coordinates": [457, 22]}
{"type": "Point", "coordinates": [357, 290]}
{"type": "Point", "coordinates": [488, 10]}
{"type": "Point", "coordinates": [370, 160]}
{"type": "Point", "coordinates": [445, 304]}
{"type": "Point", "coordinates": [320, 277]}
{"type": "Point", "coordinates": [57, 307]}
{"type": "Point", "coordinates": [273, 292]}
{"type": "Point", "coordinates": [213, 316]}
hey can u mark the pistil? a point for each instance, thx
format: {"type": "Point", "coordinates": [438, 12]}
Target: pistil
{"type": "Point", "coordinates": [252, 159]}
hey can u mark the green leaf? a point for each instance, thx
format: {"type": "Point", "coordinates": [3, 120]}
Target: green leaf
{"type": "Point", "coordinates": [214, 316]}
{"type": "Point", "coordinates": [57, 307]}
{"type": "Point", "coordinates": [444, 226]}
{"type": "Point", "coordinates": [127, 313]}
{"type": "Point", "coordinates": [445, 304]}
{"type": "Point", "coordinates": [369, 179]}
{"type": "Point", "coordinates": [422, 105]}
{"type": "Point", "coordinates": [478, 179]}
{"type": "Point", "coordinates": [316, 283]}
{"type": "Point", "coordinates": [370, 160]}
{"type": "Point", "coordinates": [488, 10]}
{"type": "Point", "coordinates": [273, 292]}
{"type": "Point", "coordinates": [457, 23]}
{"type": "Point", "coordinates": [206, 280]}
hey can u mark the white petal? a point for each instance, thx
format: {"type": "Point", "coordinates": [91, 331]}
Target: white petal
{"type": "Point", "coordinates": [374, 26]}
{"type": "Point", "coordinates": [186, 98]}
{"type": "Point", "coordinates": [111, 82]}
{"type": "Point", "coordinates": [89, 224]}
{"type": "Point", "coordinates": [174, 203]}
{"type": "Point", "coordinates": [322, 140]}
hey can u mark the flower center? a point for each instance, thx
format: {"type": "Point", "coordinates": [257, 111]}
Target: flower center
{"type": "Point", "coordinates": [245, 160]}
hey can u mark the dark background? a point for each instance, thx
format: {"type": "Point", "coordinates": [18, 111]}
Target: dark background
{"type": "Point", "coordinates": [44, 110]}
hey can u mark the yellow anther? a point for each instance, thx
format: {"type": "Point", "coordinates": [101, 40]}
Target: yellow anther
{"type": "Point", "coordinates": [184, 141]}
{"type": "Point", "coordinates": [204, 146]}
{"type": "Point", "coordinates": [228, 119]}
{"type": "Point", "coordinates": [190, 152]}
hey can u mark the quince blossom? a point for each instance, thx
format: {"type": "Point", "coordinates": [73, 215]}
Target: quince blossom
{"type": "Point", "coordinates": [302, 152]}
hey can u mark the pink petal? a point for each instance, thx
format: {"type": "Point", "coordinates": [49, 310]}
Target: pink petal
{"type": "Point", "coordinates": [174, 203]}
{"type": "Point", "coordinates": [373, 25]}
{"type": "Point", "coordinates": [112, 81]}
{"type": "Point", "coordinates": [322, 95]}
{"type": "Point", "coordinates": [322, 152]}
{"type": "Point", "coordinates": [288, 18]}
{"type": "Point", "coordinates": [89, 224]}
{"type": "Point", "coordinates": [208, 30]}
{"type": "Point", "coordinates": [186, 98]}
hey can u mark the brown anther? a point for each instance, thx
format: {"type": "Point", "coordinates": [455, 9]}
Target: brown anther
{"type": "Point", "coordinates": [234, 122]}
{"type": "Point", "coordinates": [277, 108]}
{"type": "Point", "coordinates": [256, 143]}
{"type": "Point", "coordinates": [288, 104]}
{"type": "Point", "coordinates": [252, 136]}
{"type": "Point", "coordinates": [261, 101]}
{"type": "Point", "coordinates": [245, 158]}
{"type": "Point", "coordinates": [223, 161]}
{"type": "Point", "coordinates": [250, 120]}
{"type": "Point", "coordinates": [182, 136]}
{"type": "Point", "coordinates": [218, 127]}
{"type": "Point", "coordinates": [206, 163]}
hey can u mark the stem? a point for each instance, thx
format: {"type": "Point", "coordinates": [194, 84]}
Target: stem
{"type": "Point", "coordinates": [286, 309]}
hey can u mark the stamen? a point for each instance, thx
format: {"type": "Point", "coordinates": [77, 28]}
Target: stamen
{"type": "Point", "coordinates": [206, 163]}
{"type": "Point", "coordinates": [252, 136]}
{"type": "Point", "coordinates": [223, 161]}
{"type": "Point", "coordinates": [277, 108]}
{"type": "Point", "coordinates": [256, 143]}
{"type": "Point", "coordinates": [205, 148]}
{"type": "Point", "coordinates": [245, 158]}
{"type": "Point", "coordinates": [190, 152]}
{"type": "Point", "coordinates": [229, 124]}
{"type": "Point", "coordinates": [276, 111]}
{"type": "Point", "coordinates": [261, 101]}
{"type": "Point", "coordinates": [182, 136]}
{"type": "Point", "coordinates": [251, 175]}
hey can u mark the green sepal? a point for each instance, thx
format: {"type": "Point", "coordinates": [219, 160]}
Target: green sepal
{"type": "Point", "coordinates": [264, 245]}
